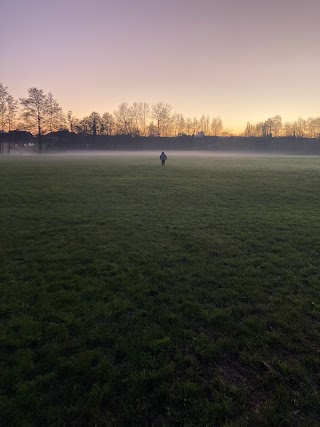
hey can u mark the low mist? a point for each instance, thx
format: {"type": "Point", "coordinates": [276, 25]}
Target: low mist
{"type": "Point", "coordinates": [152, 153]}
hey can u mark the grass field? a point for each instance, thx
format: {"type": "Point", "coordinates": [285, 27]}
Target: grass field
{"type": "Point", "coordinates": [138, 295]}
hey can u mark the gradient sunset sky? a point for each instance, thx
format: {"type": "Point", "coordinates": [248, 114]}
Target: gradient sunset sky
{"type": "Point", "coordinates": [245, 60]}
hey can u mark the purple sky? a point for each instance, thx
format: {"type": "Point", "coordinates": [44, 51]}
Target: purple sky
{"type": "Point", "coordinates": [245, 60]}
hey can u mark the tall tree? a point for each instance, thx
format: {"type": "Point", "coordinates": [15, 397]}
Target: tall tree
{"type": "Point", "coordinates": [262, 128]}
{"type": "Point", "coordinates": [108, 124]}
{"type": "Point", "coordinates": [55, 118]}
{"type": "Point", "coordinates": [272, 126]}
{"type": "Point", "coordinates": [161, 113]}
{"type": "Point", "coordinates": [313, 126]}
{"type": "Point", "coordinates": [302, 127]}
{"type": "Point", "coordinates": [35, 111]}
{"type": "Point", "coordinates": [178, 124]}
{"type": "Point", "coordinates": [276, 125]}
{"type": "Point", "coordinates": [152, 129]}
{"type": "Point", "coordinates": [3, 106]}
{"type": "Point", "coordinates": [289, 129]}
{"type": "Point", "coordinates": [188, 126]}
{"type": "Point", "coordinates": [95, 123]}
{"type": "Point", "coordinates": [91, 125]}
{"type": "Point", "coordinates": [204, 124]}
{"type": "Point", "coordinates": [140, 112]}
{"type": "Point", "coordinates": [71, 121]}
{"type": "Point", "coordinates": [144, 114]}
{"type": "Point", "coordinates": [12, 108]}
{"type": "Point", "coordinates": [216, 126]}
{"type": "Point", "coordinates": [249, 130]}
{"type": "Point", "coordinates": [195, 126]}
{"type": "Point", "coordinates": [123, 118]}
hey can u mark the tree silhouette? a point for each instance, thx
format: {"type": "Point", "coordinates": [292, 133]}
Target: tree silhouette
{"type": "Point", "coordinates": [160, 112]}
{"type": "Point", "coordinates": [3, 106]}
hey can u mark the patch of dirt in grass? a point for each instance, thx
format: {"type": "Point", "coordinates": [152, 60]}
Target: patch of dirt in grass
{"type": "Point", "coordinates": [235, 375]}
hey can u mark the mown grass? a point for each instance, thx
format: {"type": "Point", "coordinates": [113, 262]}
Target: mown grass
{"type": "Point", "coordinates": [133, 294]}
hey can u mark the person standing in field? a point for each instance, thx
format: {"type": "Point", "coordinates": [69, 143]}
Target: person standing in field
{"type": "Point", "coordinates": [163, 158]}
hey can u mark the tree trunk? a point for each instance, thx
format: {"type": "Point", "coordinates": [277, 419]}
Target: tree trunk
{"type": "Point", "coordinates": [40, 142]}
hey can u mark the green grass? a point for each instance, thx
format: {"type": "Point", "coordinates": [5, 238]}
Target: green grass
{"type": "Point", "coordinates": [133, 294]}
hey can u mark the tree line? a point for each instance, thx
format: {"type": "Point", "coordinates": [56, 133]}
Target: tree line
{"type": "Point", "coordinates": [273, 126]}
{"type": "Point", "coordinates": [40, 113]}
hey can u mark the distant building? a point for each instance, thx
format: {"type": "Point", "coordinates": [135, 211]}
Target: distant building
{"type": "Point", "coordinates": [199, 134]}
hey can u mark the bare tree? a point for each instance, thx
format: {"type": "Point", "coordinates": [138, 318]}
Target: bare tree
{"type": "Point", "coordinates": [204, 124]}
{"type": "Point", "coordinates": [123, 118]}
{"type": "Point", "coordinates": [55, 118]}
{"type": "Point", "coordinates": [91, 125]}
{"type": "Point", "coordinates": [108, 124]}
{"type": "Point", "coordinates": [152, 129]}
{"type": "Point", "coordinates": [276, 125]}
{"type": "Point", "coordinates": [35, 112]}
{"type": "Point", "coordinates": [313, 126]}
{"type": "Point", "coordinates": [317, 127]}
{"type": "Point", "coordinates": [140, 112]}
{"type": "Point", "coordinates": [249, 130]}
{"type": "Point", "coordinates": [174, 124]}
{"type": "Point", "coordinates": [262, 129]}
{"type": "Point", "coordinates": [161, 113]}
{"type": "Point", "coordinates": [71, 121]}
{"type": "Point", "coordinates": [178, 124]}
{"type": "Point", "coordinates": [144, 114]}
{"type": "Point", "coordinates": [188, 126]}
{"type": "Point", "coordinates": [12, 108]}
{"type": "Point", "coordinates": [216, 126]}
{"type": "Point", "coordinates": [226, 132]}
{"type": "Point", "coordinates": [195, 126]}
{"type": "Point", "coordinates": [302, 127]}
{"type": "Point", "coordinates": [95, 123]}
{"type": "Point", "coordinates": [272, 126]}
{"type": "Point", "coordinates": [81, 126]}
{"type": "Point", "coordinates": [3, 106]}
{"type": "Point", "coordinates": [287, 129]}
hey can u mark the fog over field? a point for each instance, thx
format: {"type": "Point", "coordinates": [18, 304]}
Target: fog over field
{"type": "Point", "coordinates": [156, 154]}
{"type": "Point", "coordinates": [169, 153]}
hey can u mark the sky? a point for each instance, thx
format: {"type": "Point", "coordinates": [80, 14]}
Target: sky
{"type": "Point", "coordinates": [245, 60]}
